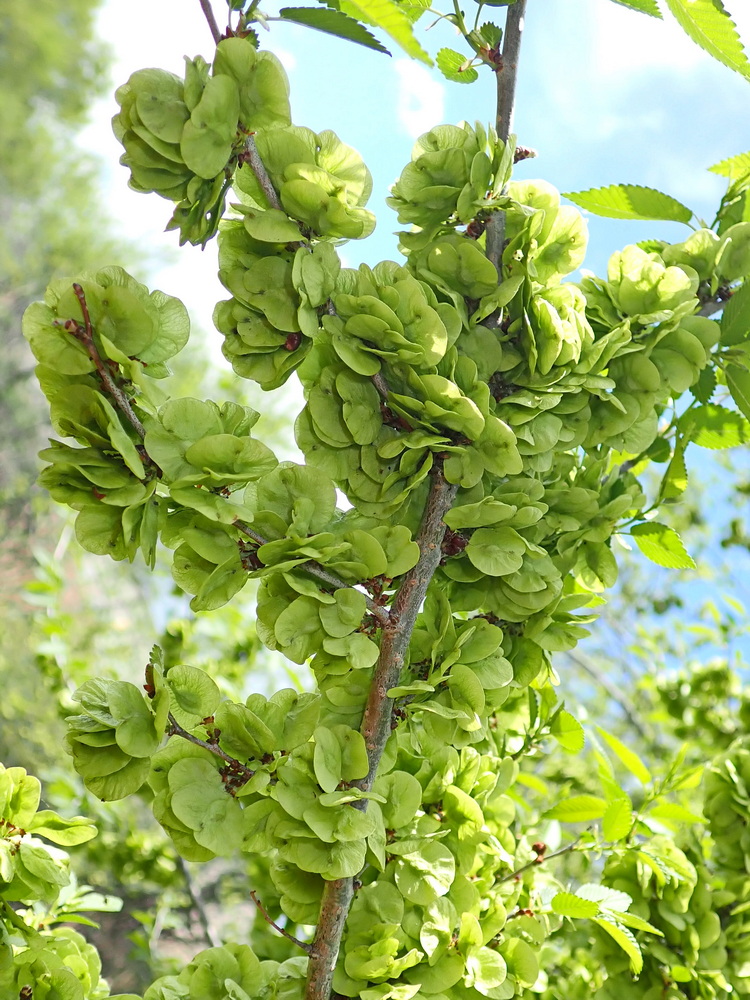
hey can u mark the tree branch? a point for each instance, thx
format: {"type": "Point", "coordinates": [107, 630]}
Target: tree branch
{"type": "Point", "coordinates": [380, 384]}
{"type": "Point", "coordinates": [709, 308]}
{"type": "Point", "coordinates": [85, 334]}
{"type": "Point", "coordinates": [322, 574]}
{"type": "Point", "coordinates": [251, 156]}
{"type": "Point", "coordinates": [175, 729]}
{"type": "Point", "coordinates": [376, 721]}
{"type": "Point", "coordinates": [212, 24]}
{"type": "Point", "coordinates": [269, 920]}
{"type": "Point", "coordinates": [506, 73]}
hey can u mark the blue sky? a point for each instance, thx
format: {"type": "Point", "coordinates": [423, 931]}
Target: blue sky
{"type": "Point", "coordinates": [605, 95]}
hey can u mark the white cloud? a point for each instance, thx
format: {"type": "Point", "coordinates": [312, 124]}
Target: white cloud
{"type": "Point", "coordinates": [625, 43]}
{"type": "Point", "coordinates": [421, 102]}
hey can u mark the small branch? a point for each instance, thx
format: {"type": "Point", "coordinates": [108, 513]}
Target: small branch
{"type": "Point", "coordinates": [539, 860]}
{"type": "Point", "coordinates": [380, 384]}
{"type": "Point", "coordinates": [212, 24]}
{"type": "Point", "coordinates": [196, 899]}
{"type": "Point", "coordinates": [709, 308]}
{"type": "Point", "coordinates": [85, 334]}
{"type": "Point", "coordinates": [376, 721]}
{"type": "Point", "coordinates": [251, 156]}
{"type": "Point", "coordinates": [322, 574]}
{"type": "Point", "coordinates": [506, 73]}
{"type": "Point", "coordinates": [290, 937]}
{"type": "Point", "coordinates": [175, 729]}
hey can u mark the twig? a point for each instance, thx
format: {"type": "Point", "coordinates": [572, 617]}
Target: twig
{"type": "Point", "coordinates": [709, 308]}
{"type": "Point", "coordinates": [380, 384]}
{"type": "Point", "coordinates": [196, 898]}
{"type": "Point", "coordinates": [315, 569]}
{"type": "Point", "coordinates": [376, 721]}
{"type": "Point", "coordinates": [539, 860]}
{"type": "Point", "coordinates": [85, 334]}
{"type": "Point", "coordinates": [506, 73]}
{"type": "Point", "coordinates": [251, 156]}
{"type": "Point", "coordinates": [175, 729]}
{"type": "Point", "coordinates": [212, 24]}
{"type": "Point", "coordinates": [338, 895]}
{"type": "Point", "coordinates": [290, 937]}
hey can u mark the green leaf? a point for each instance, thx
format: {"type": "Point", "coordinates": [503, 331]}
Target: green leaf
{"type": "Point", "coordinates": [705, 387]}
{"type": "Point", "coordinates": [673, 814]}
{"type": "Point", "coordinates": [661, 545]}
{"type": "Point", "coordinates": [631, 201]}
{"type": "Point", "coordinates": [735, 318]}
{"type": "Point", "coordinates": [675, 479]}
{"type": "Point", "coordinates": [635, 922]}
{"type": "Point", "coordinates": [389, 16]}
{"type": "Point", "coordinates": [716, 427]}
{"type": "Point", "coordinates": [624, 938]}
{"type": "Point", "coordinates": [333, 22]}
{"type": "Point", "coordinates": [617, 821]}
{"type": "Point", "coordinates": [568, 732]}
{"type": "Point", "coordinates": [606, 897]}
{"type": "Point", "coordinates": [709, 25]}
{"type": "Point", "coordinates": [578, 809]}
{"type": "Point", "coordinates": [626, 756]}
{"type": "Point", "coordinates": [455, 67]}
{"type": "Point", "coordinates": [643, 6]}
{"type": "Point", "coordinates": [733, 167]}
{"type": "Point", "coordinates": [568, 905]}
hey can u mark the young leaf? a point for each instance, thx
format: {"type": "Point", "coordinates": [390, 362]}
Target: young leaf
{"type": "Point", "coordinates": [568, 905]}
{"type": "Point", "coordinates": [333, 22]}
{"type": "Point", "coordinates": [631, 201]}
{"type": "Point", "coordinates": [675, 480]}
{"type": "Point", "coordinates": [453, 66]}
{"type": "Point", "coordinates": [625, 940]}
{"type": "Point", "coordinates": [492, 35]}
{"type": "Point", "coordinates": [387, 14]}
{"type": "Point", "coordinates": [661, 545]}
{"type": "Point", "coordinates": [606, 897]}
{"type": "Point", "coordinates": [673, 814]}
{"type": "Point", "coordinates": [716, 427]}
{"type": "Point", "coordinates": [578, 809]}
{"type": "Point", "coordinates": [635, 922]}
{"type": "Point", "coordinates": [705, 387]}
{"type": "Point", "coordinates": [733, 167]}
{"type": "Point", "coordinates": [617, 821]}
{"type": "Point", "coordinates": [710, 26]}
{"type": "Point", "coordinates": [568, 732]}
{"type": "Point", "coordinates": [644, 6]}
{"type": "Point", "coordinates": [625, 755]}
